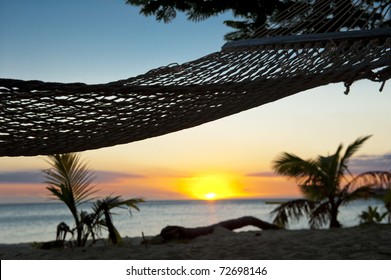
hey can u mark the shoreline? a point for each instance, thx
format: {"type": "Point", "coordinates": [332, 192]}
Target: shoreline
{"type": "Point", "coordinates": [360, 242]}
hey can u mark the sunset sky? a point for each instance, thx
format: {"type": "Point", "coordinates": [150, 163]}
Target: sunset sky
{"type": "Point", "coordinates": [98, 41]}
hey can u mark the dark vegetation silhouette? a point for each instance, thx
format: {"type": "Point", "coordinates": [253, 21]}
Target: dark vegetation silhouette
{"type": "Point", "coordinates": [326, 183]}
{"type": "Point", "coordinates": [253, 16]}
{"type": "Point", "coordinates": [70, 181]}
{"type": "Point", "coordinates": [372, 216]}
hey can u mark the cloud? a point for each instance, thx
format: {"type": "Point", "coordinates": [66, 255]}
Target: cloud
{"type": "Point", "coordinates": [262, 174]}
{"type": "Point", "coordinates": [37, 177]}
{"type": "Point", "coordinates": [22, 177]}
{"type": "Point", "coordinates": [109, 176]}
{"type": "Point", "coordinates": [365, 163]}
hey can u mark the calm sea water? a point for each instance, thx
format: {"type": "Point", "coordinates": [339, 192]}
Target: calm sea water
{"type": "Point", "coordinates": [37, 222]}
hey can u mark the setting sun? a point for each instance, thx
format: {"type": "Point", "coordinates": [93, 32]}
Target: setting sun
{"type": "Point", "coordinates": [211, 186]}
{"type": "Point", "coordinates": [210, 196]}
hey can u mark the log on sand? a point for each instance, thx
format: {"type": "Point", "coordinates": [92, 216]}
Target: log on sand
{"type": "Point", "coordinates": [178, 232]}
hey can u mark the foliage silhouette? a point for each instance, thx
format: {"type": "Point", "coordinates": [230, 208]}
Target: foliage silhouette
{"type": "Point", "coordinates": [103, 215]}
{"type": "Point", "coordinates": [70, 181]}
{"type": "Point", "coordinates": [260, 15]}
{"type": "Point", "coordinates": [371, 216]}
{"type": "Point", "coordinates": [326, 183]}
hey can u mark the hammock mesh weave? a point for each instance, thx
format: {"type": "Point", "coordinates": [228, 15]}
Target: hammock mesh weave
{"type": "Point", "coordinates": [39, 118]}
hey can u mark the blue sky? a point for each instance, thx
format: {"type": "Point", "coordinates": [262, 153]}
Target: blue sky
{"type": "Point", "coordinates": [95, 41]}
{"type": "Point", "coordinates": [98, 41]}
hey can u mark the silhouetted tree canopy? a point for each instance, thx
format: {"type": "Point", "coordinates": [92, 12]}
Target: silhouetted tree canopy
{"type": "Point", "coordinates": [257, 15]}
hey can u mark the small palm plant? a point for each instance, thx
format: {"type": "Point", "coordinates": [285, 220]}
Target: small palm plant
{"type": "Point", "coordinates": [384, 195]}
{"type": "Point", "coordinates": [371, 216]}
{"type": "Point", "coordinates": [326, 183]}
{"type": "Point", "coordinates": [387, 202]}
{"type": "Point", "coordinates": [70, 181]}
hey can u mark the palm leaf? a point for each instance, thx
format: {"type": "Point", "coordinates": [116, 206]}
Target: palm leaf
{"type": "Point", "coordinates": [69, 172]}
{"type": "Point", "coordinates": [350, 150]}
{"type": "Point", "coordinates": [330, 172]}
{"type": "Point", "coordinates": [103, 207]}
{"type": "Point", "coordinates": [319, 215]}
{"type": "Point", "coordinates": [131, 203]}
{"type": "Point", "coordinates": [361, 192]}
{"type": "Point", "coordinates": [314, 190]}
{"type": "Point", "coordinates": [294, 209]}
{"type": "Point", "coordinates": [295, 167]}
{"type": "Point", "coordinates": [373, 179]}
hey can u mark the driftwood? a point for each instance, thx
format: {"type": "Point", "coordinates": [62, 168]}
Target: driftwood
{"type": "Point", "coordinates": [177, 232]}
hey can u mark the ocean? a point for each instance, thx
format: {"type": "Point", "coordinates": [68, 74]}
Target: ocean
{"type": "Point", "coordinates": [37, 222]}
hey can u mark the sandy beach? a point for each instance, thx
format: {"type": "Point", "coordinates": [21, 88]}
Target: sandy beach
{"type": "Point", "coordinates": [363, 242]}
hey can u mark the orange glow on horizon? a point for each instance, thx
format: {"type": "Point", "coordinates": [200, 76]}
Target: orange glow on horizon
{"type": "Point", "coordinates": [212, 187]}
{"type": "Point", "coordinates": [209, 186]}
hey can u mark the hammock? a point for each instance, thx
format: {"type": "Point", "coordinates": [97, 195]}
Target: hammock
{"type": "Point", "coordinates": [41, 118]}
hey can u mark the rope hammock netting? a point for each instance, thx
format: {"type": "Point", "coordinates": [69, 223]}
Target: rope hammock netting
{"type": "Point", "coordinates": [40, 118]}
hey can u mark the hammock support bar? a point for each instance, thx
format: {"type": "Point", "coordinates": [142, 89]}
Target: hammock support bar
{"type": "Point", "coordinates": [312, 38]}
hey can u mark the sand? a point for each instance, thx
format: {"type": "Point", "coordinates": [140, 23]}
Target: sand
{"type": "Point", "coordinates": [363, 242]}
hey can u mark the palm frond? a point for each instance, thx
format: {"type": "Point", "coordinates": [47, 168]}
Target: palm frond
{"type": "Point", "coordinates": [319, 215]}
{"type": "Point", "coordinates": [374, 179]}
{"type": "Point", "coordinates": [295, 167]}
{"type": "Point", "coordinates": [350, 151]}
{"type": "Point", "coordinates": [294, 209]}
{"type": "Point", "coordinates": [318, 191]}
{"type": "Point", "coordinates": [131, 203]}
{"type": "Point", "coordinates": [361, 192]}
{"type": "Point", "coordinates": [72, 174]}
{"type": "Point", "coordinates": [103, 207]}
{"type": "Point", "coordinates": [329, 174]}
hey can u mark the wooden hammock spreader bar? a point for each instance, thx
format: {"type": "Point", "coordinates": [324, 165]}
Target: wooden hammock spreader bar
{"type": "Point", "coordinates": [336, 37]}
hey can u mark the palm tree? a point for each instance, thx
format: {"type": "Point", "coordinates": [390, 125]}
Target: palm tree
{"type": "Point", "coordinates": [70, 181]}
{"type": "Point", "coordinates": [326, 184]}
